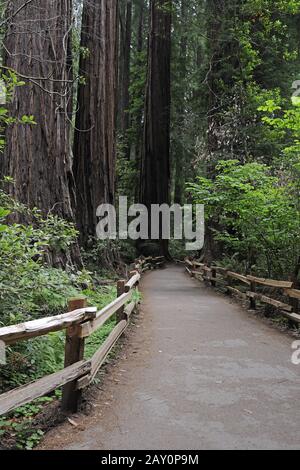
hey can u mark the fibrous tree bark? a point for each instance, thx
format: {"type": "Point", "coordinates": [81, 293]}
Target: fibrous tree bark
{"type": "Point", "coordinates": [139, 62]}
{"type": "Point", "coordinates": [155, 166]}
{"type": "Point", "coordinates": [124, 70]}
{"type": "Point", "coordinates": [94, 141]}
{"type": "Point", "coordinates": [38, 157]}
{"type": "Point", "coordinates": [180, 163]}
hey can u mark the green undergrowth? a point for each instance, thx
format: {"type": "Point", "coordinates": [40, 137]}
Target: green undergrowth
{"type": "Point", "coordinates": [96, 339]}
{"type": "Point", "coordinates": [21, 429]}
{"type": "Point", "coordinates": [31, 360]}
{"type": "Point", "coordinates": [37, 358]}
{"type": "Point", "coordinates": [99, 298]}
{"type": "Point", "coordinates": [37, 278]}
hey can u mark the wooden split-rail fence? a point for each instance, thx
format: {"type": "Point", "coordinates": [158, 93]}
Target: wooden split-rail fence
{"type": "Point", "coordinates": [80, 322]}
{"type": "Point", "coordinates": [254, 288]}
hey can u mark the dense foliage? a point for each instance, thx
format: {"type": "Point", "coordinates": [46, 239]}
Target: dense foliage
{"type": "Point", "coordinates": [234, 147]}
{"type": "Point", "coordinates": [253, 217]}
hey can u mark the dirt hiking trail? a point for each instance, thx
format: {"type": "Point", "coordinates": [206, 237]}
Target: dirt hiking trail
{"type": "Point", "coordinates": [195, 372]}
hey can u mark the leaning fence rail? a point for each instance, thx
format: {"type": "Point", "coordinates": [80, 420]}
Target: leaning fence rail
{"type": "Point", "coordinates": [79, 323]}
{"type": "Point", "coordinates": [253, 286]}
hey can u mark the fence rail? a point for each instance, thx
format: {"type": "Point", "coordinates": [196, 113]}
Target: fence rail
{"type": "Point", "coordinates": [80, 322]}
{"type": "Point", "coordinates": [215, 274]}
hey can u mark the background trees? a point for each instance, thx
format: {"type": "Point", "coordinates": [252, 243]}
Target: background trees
{"type": "Point", "coordinates": [140, 97]}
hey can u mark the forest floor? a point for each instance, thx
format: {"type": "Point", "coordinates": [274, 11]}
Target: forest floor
{"type": "Point", "coordinates": [196, 371]}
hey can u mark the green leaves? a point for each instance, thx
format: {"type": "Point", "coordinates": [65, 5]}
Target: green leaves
{"type": "Point", "coordinates": [8, 82]}
{"type": "Point", "coordinates": [4, 212]}
{"type": "Point", "coordinates": [26, 282]}
{"type": "Point", "coordinates": [284, 120]}
{"type": "Point", "coordinates": [270, 106]}
{"type": "Point", "coordinates": [27, 120]}
{"type": "Point", "coordinates": [296, 100]}
{"type": "Point", "coordinates": [252, 215]}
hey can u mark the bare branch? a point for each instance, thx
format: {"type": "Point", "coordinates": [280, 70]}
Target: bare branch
{"type": "Point", "coordinates": [15, 13]}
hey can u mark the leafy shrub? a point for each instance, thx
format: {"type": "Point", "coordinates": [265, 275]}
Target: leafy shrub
{"type": "Point", "coordinates": [109, 254]}
{"type": "Point", "coordinates": [252, 216]}
{"type": "Point", "coordinates": [31, 289]}
{"type": "Point", "coordinates": [27, 283]}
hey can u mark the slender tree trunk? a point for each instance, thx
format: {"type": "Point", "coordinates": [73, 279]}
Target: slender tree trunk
{"type": "Point", "coordinates": [181, 160]}
{"type": "Point", "coordinates": [124, 74]}
{"type": "Point", "coordinates": [155, 169]}
{"type": "Point", "coordinates": [139, 114]}
{"type": "Point", "coordinates": [94, 143]}
{"type": "Point", "coordinates": [215, 13]}
{"type": "Point", "coordinates": [141, 22]}
{"type": "Point", "coordinates": [38, 157]}
{"type": "Point", "coordinates": [223, 50]}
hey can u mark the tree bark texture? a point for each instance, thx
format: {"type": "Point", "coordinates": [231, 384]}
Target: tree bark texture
{"type": "Point", "coordinates": [38, 157]}
{"type": "Point", "coordinates": [124, 73]}
{"type": "Point", "coordinates": [180, 164]}
{"type": "Point", "coordinates": [155, 167]}
{"type": "Point", "coordinates": [94, 142]}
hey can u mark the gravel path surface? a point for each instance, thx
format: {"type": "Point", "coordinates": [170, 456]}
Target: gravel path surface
{"type": "Point", "coordinates": [196, 372]}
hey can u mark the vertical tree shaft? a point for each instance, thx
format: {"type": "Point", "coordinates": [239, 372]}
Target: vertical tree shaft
{"type": "Point", "coordinates": [155, 168]}
{"type": "Point", "coordinates": [38, 157]}
{"type": "Point", "coordinates": [124, 73]}
{"type": "Point", "coordinates": [94, 143]}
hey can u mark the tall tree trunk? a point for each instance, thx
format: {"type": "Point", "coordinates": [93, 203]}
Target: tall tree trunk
{"type": "Point", "coordinates": [140, 29]}
{"type": "Point", "coordinates": [223, 50]}
{"type": "Point", "coordinates": [216, 13]}
{"type": "Point", "coordinates": [94, 142]}
{"type": "Point", "coordinates": [180, 163]}
{"type": "Point", "coordinates": [124, 73]}
{"type": "Point", "coordinates": [138, 119]}
{"type": "Point", "coordinates": [38, 157]}
{"type": "Point", "coordinates": [155, 168]}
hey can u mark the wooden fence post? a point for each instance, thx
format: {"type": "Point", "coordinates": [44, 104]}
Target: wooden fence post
{"type": "Point", "coordinates": [252, 299]}
{"type": "Point", "coordinates": [295, 305]}
{"type": "Point", "coordinates": [294, 301]}
{"type": "Point", "coordinates": [131, 274]}
{"type": "Point", "coordinates": [74, 352]}
{"type": "Point", "coordinates": [120, 291]}
{"type": "Point", "coordinates": [213, 275]}
{"type": "Point", "coordinates": [229, 282]}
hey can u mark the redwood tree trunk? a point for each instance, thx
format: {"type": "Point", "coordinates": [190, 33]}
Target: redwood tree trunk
{"type": "Point", "coordinates": [124, 74]}
{"type": "Point", "coordinates": [155, 168]}
{"type": "Point", "coordinates": [137, 119]}
{"type": "Point", "coordinates": [180, 164]}
{"type": "Point", "coordinates": [38, 157]}
{"type": "Point", "coordinates": [94, 144]}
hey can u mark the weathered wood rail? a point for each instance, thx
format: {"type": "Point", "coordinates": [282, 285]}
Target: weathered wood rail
{"type": "Point", "coordinates": [80, 322]}
{"type": "Point", "coordinates": [252, 290]}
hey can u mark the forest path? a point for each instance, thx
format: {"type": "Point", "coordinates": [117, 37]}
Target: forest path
{"type": "Point", "coordinates": [196, 372]}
